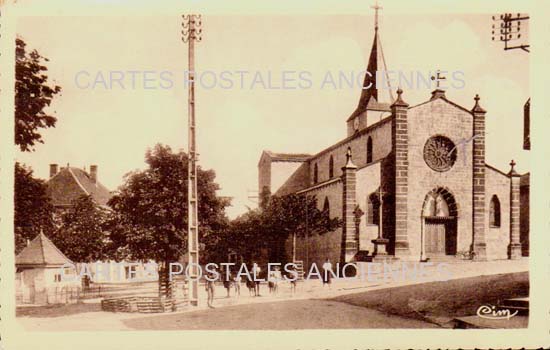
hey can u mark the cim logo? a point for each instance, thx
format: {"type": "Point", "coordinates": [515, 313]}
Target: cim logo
{"type": "Point", "coordinates": [491, 313]}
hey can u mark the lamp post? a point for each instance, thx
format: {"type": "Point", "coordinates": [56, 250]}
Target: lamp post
{"type": "Point", "coordinates": [191, 32]}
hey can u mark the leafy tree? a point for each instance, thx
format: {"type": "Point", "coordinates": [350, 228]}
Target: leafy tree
{"type": "Point", "coordinates": [33, 94]}
{"type": "Point", "coordinates": [82, 234]}
{"type": "Point", "coordinates": [150, 208]}
{"type": "Point", "coordinates": [33, 210]}
{"type": "Point", "coordinates": [270, 227]}
{"type": "Point", "coordinates": [244, 235]}
{"type": "Point", "coordinates": [32, 207]}
{"type": "Point", "coordinates": [294, 214]}
{"type": "Point", "coordinates": [265, 194]}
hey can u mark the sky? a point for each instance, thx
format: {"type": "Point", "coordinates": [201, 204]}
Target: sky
{"type": "Point", "coordinates": [113, 125]}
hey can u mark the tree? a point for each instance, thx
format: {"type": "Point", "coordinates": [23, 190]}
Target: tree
{"type": "Point", "coordinates": [150, 208]}
{"type": "Point", "coordinates": [32, 95]}
{"type": "Point", "coordinates": [32, 207]}
{"type": "Point", "coordinates": [280, 218]}
{"type": "Point", "coordinates": [82, 234]}
{"type": "Point", "coordinates": [244, 235]}
{"type": "Point", "coordinates": [294, 214]}
{"type": "Point", "coordinates": [33, 210]}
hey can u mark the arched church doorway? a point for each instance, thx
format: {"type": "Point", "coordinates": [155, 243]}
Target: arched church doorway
{"type": "Point", "coordinates": [439, 224]}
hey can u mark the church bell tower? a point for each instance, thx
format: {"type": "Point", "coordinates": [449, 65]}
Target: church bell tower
{"type": "Point", "coordinates": [370, 108]}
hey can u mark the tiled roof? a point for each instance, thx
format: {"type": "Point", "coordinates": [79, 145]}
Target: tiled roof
{"type": "Point", "coordinates": [71, 183]}
{"type": "Point", "coordinates": [371, 105]}
{"type": "Point", "coordinates": [41, 252]}
{"type": "Point", "coordinates": [291, 157]}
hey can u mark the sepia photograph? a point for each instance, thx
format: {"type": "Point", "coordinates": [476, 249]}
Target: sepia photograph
{"type": "Point", "coordinates": [270, 172]}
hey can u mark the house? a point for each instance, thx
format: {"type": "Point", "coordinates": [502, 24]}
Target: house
{"type": "Point", "coordinates": [67, 184]}
{"type": "Point", "coordinates": [43, 274]}
{"type": "Point", "coordinates": [70, 183]}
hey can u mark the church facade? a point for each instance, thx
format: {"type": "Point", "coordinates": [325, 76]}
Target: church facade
{"type": "Point", "coordinates": [408, 180]}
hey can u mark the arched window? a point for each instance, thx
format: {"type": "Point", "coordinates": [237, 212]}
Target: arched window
{"type": "Point", "coordinates": [373, 209]}
{"type": "Point", "coordinates": [326, 207]}
{"type": "Point", "coordinates": [369, 150]}
{"type": "Point", "coordinates": [494, 212]}
{"type": "Point", "coordinates": [315, 174]}
{"type": "Point", "coordinates": [331, 168]}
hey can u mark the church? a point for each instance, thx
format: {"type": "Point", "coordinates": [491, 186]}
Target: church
{"type": "Point", "coordinates": [409, 182]}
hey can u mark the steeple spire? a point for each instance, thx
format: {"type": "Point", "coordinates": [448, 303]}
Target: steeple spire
{"type": "Point", "coordinates": [376, 58]}
{"type": "Point", "coordinates": [370, 100]}
{"type": "Point", "coordinates": [369, 84]}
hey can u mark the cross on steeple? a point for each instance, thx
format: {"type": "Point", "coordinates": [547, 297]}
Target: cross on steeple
{"type": "Point", "coordinates": [438, 78]}
{"type": "Point", "coordinates": [376, 7]}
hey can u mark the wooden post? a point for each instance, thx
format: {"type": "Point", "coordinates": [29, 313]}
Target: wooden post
{"type": "Point", "coordinates": [191, 32]}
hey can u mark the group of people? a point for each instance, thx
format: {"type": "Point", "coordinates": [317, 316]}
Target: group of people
{"type": "Point", "coordinates": [233, 281]}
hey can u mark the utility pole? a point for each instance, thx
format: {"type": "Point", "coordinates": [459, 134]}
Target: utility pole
{"type": "Point", "coordinates": [191, 32]}
{"type": "Point", "coordinates": [509, 29]}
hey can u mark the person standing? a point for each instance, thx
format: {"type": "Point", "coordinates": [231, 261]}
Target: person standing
{"type": "Point", "coordinates": [210, 281]}
{"type": "Point", "coordinates": [228, 279]}
{"type": "Point", "coordinates": [278, 277]}
{"type": "Point", "coordinates": [327, 272]}
{"type": "Point", "coordinates": [255, 275]}
{"type": "Point", "coordinates": [237, 284]}
{"type": "Point", "coordinates": [293, 279]}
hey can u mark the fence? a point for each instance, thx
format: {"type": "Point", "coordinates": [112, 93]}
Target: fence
{"type": "Point", "coordinates": [58, 295]}
{"type": "Point", "coordinates": [76, 293]}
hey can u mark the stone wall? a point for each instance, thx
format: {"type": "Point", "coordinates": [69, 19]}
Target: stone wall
{"type": "Point", "coordinates": [316, 248]}
{"type": "Point", "coordinates": [439, 117]}
{"type": "Point", "coordinates": [381, 142]}
{"type": "Point", "coordinates": [497, 238]}
{"type": "Point", "coordinates": [524, 213]}
{"type": "Point", "coordinates": [264, 173]}
{"type": "Point", "coordinates": [368, 181]}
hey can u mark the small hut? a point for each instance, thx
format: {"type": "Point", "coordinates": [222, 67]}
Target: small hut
{"type": "Point", "coordinates": [40, 275]}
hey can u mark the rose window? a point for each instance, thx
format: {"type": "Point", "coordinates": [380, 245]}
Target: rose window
{"type": "Point", "coordinates": [440, 153]}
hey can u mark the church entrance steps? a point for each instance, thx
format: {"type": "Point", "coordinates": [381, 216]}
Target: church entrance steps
{"type": "Point", "coordinates": [469, 322]}
{"type": "Point", "coordinates": [521, 305]}
{"type": "Point", "coordinates": [365, 257]}
{"type": "Point", "coordinates": [446, 258]}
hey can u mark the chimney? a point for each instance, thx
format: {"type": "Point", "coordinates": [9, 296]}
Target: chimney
{"type": "Point", "coordinates": [93, 173]}
{"type": "Point", "coordinates": [53, 170]}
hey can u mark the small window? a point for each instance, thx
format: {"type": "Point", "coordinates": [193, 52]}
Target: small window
{"type": "Point", "coordinates": [315, 174]}
{"type": "Point", "coordinates": [331, 168]}
{"type": "Point", "coordinates": [494, 212]}
{"type": "Point", "coordinates": [57, 277]}
{"type": "Point", "coordinates": [369, 150]}
{"type": "Point", "coordinates": [326, 207]}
